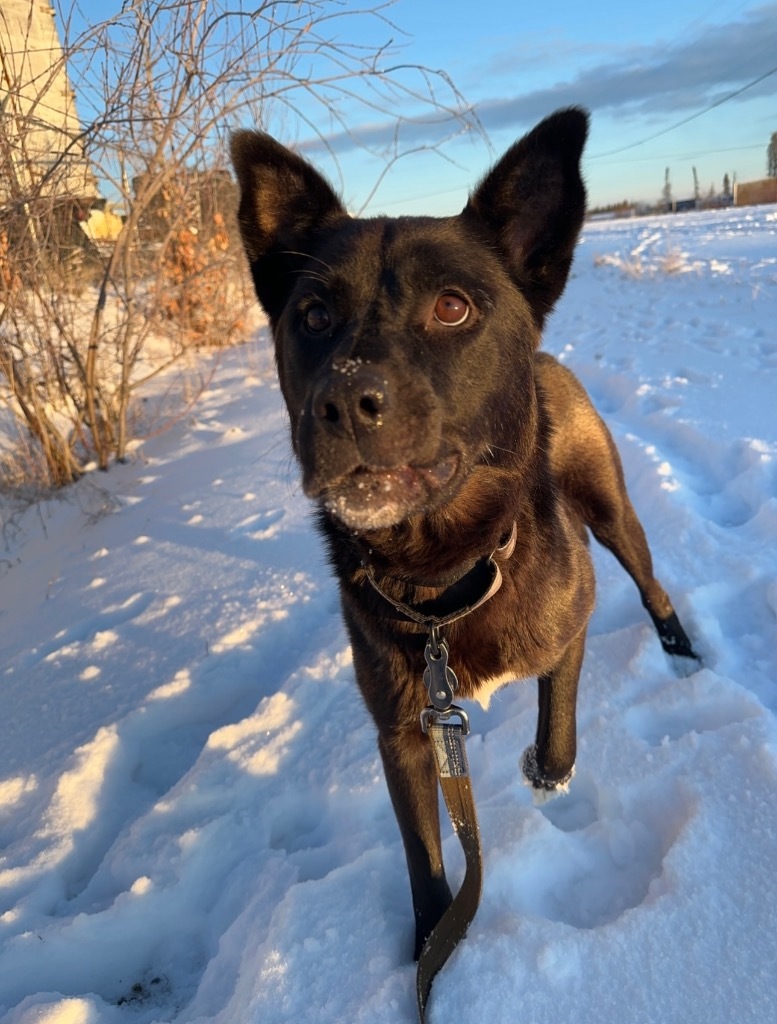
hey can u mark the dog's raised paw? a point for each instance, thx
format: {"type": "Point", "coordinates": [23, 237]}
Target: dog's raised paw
{"type": "Point", "coordinates": [543, 789]}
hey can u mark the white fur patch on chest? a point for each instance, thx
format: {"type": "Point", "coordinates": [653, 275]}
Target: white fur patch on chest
{"type": "Point", "coordinates": [488, 687]}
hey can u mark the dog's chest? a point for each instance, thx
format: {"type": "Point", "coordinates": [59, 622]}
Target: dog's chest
{"type": "Point", "coordinates": [510, 639]}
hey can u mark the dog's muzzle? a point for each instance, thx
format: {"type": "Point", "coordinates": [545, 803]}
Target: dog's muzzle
{"type": "Point", "coordinates": [370, 445]}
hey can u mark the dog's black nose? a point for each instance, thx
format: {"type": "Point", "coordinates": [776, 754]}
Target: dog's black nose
{"type": "Point", "coordinates": [351, 399]}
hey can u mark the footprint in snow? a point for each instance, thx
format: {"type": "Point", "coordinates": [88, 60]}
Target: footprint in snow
{"type": "Point", "coordinates": [301, 826]}
{"type": "Point", "coordinates": [728, 480]}
{"type": "Point", "coordinates": [96, 633]}
{"type": "Point", "coordinates": [600, 859]}
{"type": "Point", "coordinates": [262, 525]}
{"type": "Point", "coordinates": [702, 705]}
{"type": "Point", "coordinates": [764, 355]}
{"type": "Point", "coordinates": [575, 810]}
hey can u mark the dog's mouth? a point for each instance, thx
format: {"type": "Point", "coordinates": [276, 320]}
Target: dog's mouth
{"type": "Point", "coordinates": [372, 499]}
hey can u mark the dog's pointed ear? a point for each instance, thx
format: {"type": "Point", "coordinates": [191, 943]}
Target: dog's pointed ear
{"type": "Point", "coordinates": [533, 202]}
{"type": "Point", "coordinates": [284, 203]}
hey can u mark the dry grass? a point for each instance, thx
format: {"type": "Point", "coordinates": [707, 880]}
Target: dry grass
{"type": "Point", "coordinates": [637, 264]}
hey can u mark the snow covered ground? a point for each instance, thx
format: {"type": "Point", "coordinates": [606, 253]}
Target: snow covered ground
{"type": "Point", "coordinates": [193, 821]}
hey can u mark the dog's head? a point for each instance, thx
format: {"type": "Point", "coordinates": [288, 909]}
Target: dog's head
{"type": "Point", "coordinates": [405, 345]}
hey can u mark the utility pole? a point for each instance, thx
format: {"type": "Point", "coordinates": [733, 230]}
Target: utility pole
{"type": "Point", "coordinates": [666, 193]}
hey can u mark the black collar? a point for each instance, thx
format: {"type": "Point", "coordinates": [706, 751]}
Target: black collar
{"type": "Point", "coordinates": [476, 585]}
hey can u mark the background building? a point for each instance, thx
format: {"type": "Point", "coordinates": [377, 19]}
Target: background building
{"type": "Point", "coordinates": [41, 151]}
{"type": "Point", "coordinates": [752, 193]}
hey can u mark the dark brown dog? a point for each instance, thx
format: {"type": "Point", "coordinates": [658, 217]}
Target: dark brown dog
{"type": "Point", "coordinates": [433, 435]}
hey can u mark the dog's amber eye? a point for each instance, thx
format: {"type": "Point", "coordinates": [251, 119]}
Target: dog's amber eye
{"type": "Point", "coordinates": [451, 310]}
{"type": "Point", "coordinates": [317, 318]}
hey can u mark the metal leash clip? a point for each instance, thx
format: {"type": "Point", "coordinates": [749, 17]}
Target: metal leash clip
{"type": "Point", "coordinates": [431, 716]}
{"type": "Point", "coordinates": [439, 679]}
{"type": "Point", "coordinates": [441, 684]}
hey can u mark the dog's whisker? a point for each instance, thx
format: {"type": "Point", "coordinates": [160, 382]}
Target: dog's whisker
{"type": "Point", "coordinates": [310, 275]}
{"type": "Point", "coordinates": [499, 448]}
{"type": "Point", "coordinates": [307, 256]}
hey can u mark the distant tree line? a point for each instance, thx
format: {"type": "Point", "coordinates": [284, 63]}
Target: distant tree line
{"type": "Point", "coordinates": [666, 201]}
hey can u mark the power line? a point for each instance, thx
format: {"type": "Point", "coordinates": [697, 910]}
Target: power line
{"type": "Point", "coordinates": [462, 189]}
{"type": "Point", "coordinates": [634, 145]}
{"type": "Point", "coordinates": [686, 120]}
{"type": "Point", "coordinates": [687, 156]}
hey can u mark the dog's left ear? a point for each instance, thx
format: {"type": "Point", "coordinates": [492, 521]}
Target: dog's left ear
{"type": "Point", "coordinates": [284, 205]}
{"type": "Point", "coordinates": [533, 201]}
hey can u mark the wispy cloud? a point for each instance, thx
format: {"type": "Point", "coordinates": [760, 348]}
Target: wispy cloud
{"type": "Point", "coordinates": [658, 79]}
{"type": "Point", "coordinates": [654, 80]}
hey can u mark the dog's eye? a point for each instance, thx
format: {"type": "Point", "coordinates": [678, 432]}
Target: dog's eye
{"type": "Point", "coordinates": [317, 318]}
{"type": "Point", "coordinates": [451, 310]}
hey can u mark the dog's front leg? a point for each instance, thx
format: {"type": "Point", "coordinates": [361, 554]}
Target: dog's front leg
{"type": "Point", "coordinates": [550, 763]}
{"type": "Point", "coordinates": [412, 782]}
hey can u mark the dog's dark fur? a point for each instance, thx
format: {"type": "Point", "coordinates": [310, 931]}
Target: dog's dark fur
{"type": "Point", "coordinates": [423, 442]}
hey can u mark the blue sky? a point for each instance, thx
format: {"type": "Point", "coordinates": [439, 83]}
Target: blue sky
{"type": "Point", "coordinates": [640, 69]}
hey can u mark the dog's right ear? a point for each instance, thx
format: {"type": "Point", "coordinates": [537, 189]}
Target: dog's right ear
{"type": "Point", "coordinates": [533, 202]}
{"type": "Point", "coordinates": [284, 204]}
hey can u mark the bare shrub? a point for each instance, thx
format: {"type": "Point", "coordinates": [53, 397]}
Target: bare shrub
{"type": "Point", "coordinates": [673, 261]}
{"type": "Point", "coordinates": [631, 265]}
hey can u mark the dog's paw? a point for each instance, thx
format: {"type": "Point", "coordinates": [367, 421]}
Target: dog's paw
{"type": "Point", "coordinates": [676, 641]}
{"type": "Point", "coordinates": [543, 789]}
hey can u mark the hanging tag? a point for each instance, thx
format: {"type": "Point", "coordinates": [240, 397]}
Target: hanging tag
{"type": "Point", "coordinates": [439, 680]}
